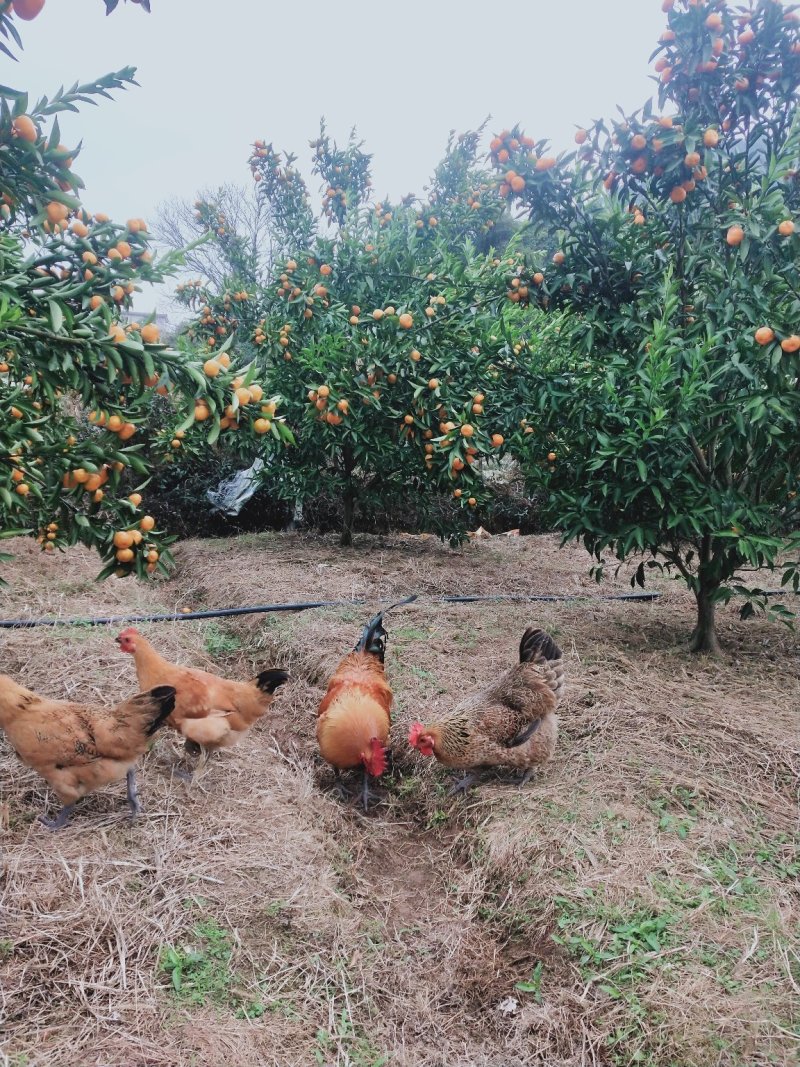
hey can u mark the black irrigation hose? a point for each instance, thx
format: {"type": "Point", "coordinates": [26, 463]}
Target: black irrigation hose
{"type": "Point", "coordinates": [29, 624]}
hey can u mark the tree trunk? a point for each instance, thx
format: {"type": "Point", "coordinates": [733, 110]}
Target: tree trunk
{"type": "Point", "coordinates": [704, 636]}
{"type": "Point", "coordinates": [346, 538]}
{"type": "Point", "coordinates": [348, 462]}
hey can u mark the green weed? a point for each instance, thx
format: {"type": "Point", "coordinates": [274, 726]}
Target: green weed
{"type": "Point", "coordinates": [220, 642]}
{"type": "Point", "coordinates": [201, 973]}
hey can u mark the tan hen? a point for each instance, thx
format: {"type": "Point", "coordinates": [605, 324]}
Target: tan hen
{"type": "Point", "coordinates": [511, 723]}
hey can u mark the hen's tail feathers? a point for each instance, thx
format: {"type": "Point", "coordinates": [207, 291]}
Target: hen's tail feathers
{"type": "Point", "coordinates": [269, 681]}
{"type": "Point", "coordinates": [539, 647]}
{"type": "Point", "coordinates": [373, 637]}
{"type": "Point", "coordinates": [162, 702]}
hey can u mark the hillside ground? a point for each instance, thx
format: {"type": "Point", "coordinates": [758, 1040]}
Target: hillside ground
{"type": "Point", "coordinates": [635, 904]}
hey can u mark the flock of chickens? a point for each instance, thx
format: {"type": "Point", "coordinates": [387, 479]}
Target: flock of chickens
{"type": "Point", "coordinates": [79, 748]}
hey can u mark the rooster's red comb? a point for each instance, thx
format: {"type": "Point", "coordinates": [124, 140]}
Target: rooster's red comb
{"type": "Point", "coordinates": [414, 734]}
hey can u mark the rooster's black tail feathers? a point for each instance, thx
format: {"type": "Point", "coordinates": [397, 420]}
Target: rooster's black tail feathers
{"type": "Point", "coordinates": [538, 646]}
{"type": "Point", "coordinates": [373, 636]}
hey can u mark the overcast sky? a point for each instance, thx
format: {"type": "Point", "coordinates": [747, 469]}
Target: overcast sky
{"type": "Point", "coordinates": [215, 75]}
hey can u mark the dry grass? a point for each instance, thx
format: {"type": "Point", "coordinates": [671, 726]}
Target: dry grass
{"type": "Point", "coordinates": [643, 890]}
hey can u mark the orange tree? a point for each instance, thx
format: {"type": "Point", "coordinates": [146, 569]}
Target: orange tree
{"type": "Point", "coordinates": [673, 422]}
{"type": "Point", "coordinates": [398, 362]}
{"type": "Point", "coordinates": [75, 385]}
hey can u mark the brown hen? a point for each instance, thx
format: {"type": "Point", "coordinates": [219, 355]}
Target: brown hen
{"type": "Point", "coordinates": [78, 748]}
{"type": "Point", "coordinates": [210, 712]}
{"type": "Point", "coordinates": [511, 723]}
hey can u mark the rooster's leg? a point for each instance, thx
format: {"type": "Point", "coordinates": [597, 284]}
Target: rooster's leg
{"type": "Point", "coordinates": [366, 792]}
{"type": "Point", "coordinates": [133, 796]}
{"type": "Point", "coordinates": [339, 788]}
{"type": "Point", "coordinates": [526, 777]}
{"type": "Point", "coordinates": [463, 784]}
{"type": "Point", "coordinates": [60, 820]}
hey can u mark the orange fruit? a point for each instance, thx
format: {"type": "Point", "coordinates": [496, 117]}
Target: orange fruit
{"type": "Point", "coordinates": [262, 425]}
{"type": "Point", "coordinates": [125, 555]}
{"type": "Point", "coordinates": [791, 344]}
{"type": "Point", "coordinates": [581, 136]}
{"type": "Point", "coordinates": [343, 406]}
{"type": "Point", "coordinates": [692, 159]}
{"type": "Point", "coordinates": [433, 383]}
{"type": "Point", "coordinates": [497, 440]}
{"type": "Point", "coordinates": [114, 423]}
{"type": "Point", "coordinates": [56, 212]}
{"type": "Point", "coordinates": [243, 396]}
{"type": "Point", "coordinates": [118, 294]}
{"type": "Point", "coordinates": [151, 334]}
{"type": "Point", "coordinates": [27, 9]}
{"type": "Point", "coordinates": [96, 302]}
{"type": "Point", "coordinates": [559, 258]}
{"type": "Point", "coordinates": [638, 142]}
{"type": "Point", "coordinates": [24, 128]}
{"type": "Point", "coordinates": [326, 269]}
{"type": "Point", "coordinates": [735, 235]}
{"type": "Point", "coordinates": [152, 556]}
{"type": "Point", "coordinates": [211, 368]}
{"type": "Point", "coordinates": [786, 228]}
{"type": "Point", "coordinates": [323, 391]}
{"type": "Point", "coordinates": [147, 523]}
{"type": "Point", "coordinates": [377, 314]}
{"type": "Point", "coordinates": [714, 21]}
{"type": "Point", "coordinates": [467, 430]}
{"type": "Point", "coordinates": [764, 335]}
{"type": "Point", "coordinates": [551, 457]}
{"type": "Point", "coordinates": [23, 488]}
{"type": "Point", "coordinates": [175, 443]}
{"type": "Point", "coordinates": [406, 321]}
{"type": "Point", "coordinates": [472, 501]}
{"type": "Point", "coordinates": [127, 431]}
{"type": "Point", "coordinates": [415, 355]}
{"type": "Point", "coordinates": [678, 195]}
{"type": "Point", "coordinates": [123, 539]}
{"type": "Point", "coordinates": [408, 420]}
{"type": "Point", "coordinates": [135, 499]}
{"type": "Point", "coordinates": [457, 493]}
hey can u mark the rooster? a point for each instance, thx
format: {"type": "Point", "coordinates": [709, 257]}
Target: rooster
{"type": "Point", "coordinates": [355, 715]}
{"type": "Point", "coordinates": [510, 723]}
{"type": "Point", "coordinates": [210, 712]}
{"type": "Point", "coordinates": [78, 748]}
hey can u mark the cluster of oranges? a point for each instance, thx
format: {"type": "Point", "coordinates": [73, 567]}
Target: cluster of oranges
{"type": "Point", "coordinates": [215, 325]}
{"type": "Point", "coordinates": [330, 410]}
{"type": "Point", "coordinates": [522, 285]}
{"type": "Point", "coordinates": [765, 335]}
{"type": "Point", "coordinates": [671, 64]}
{"type": "Point", "coordinates": [509, 144]}
{"type": "Point", "coordinates": [113, 423]}
{"type": "Point", "coordinates": [48, 536]}
{"type": "Point", "coordinates": [130, 541]}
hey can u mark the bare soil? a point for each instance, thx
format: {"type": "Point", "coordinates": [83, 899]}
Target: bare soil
{"type": "Point", "coordinates": [636, 903]}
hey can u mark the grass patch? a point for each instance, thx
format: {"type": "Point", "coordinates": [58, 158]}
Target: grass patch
{"type": "Point", "coordinates": [200, 972]}
{"type": "Point", "coordinates": [220, 642]}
